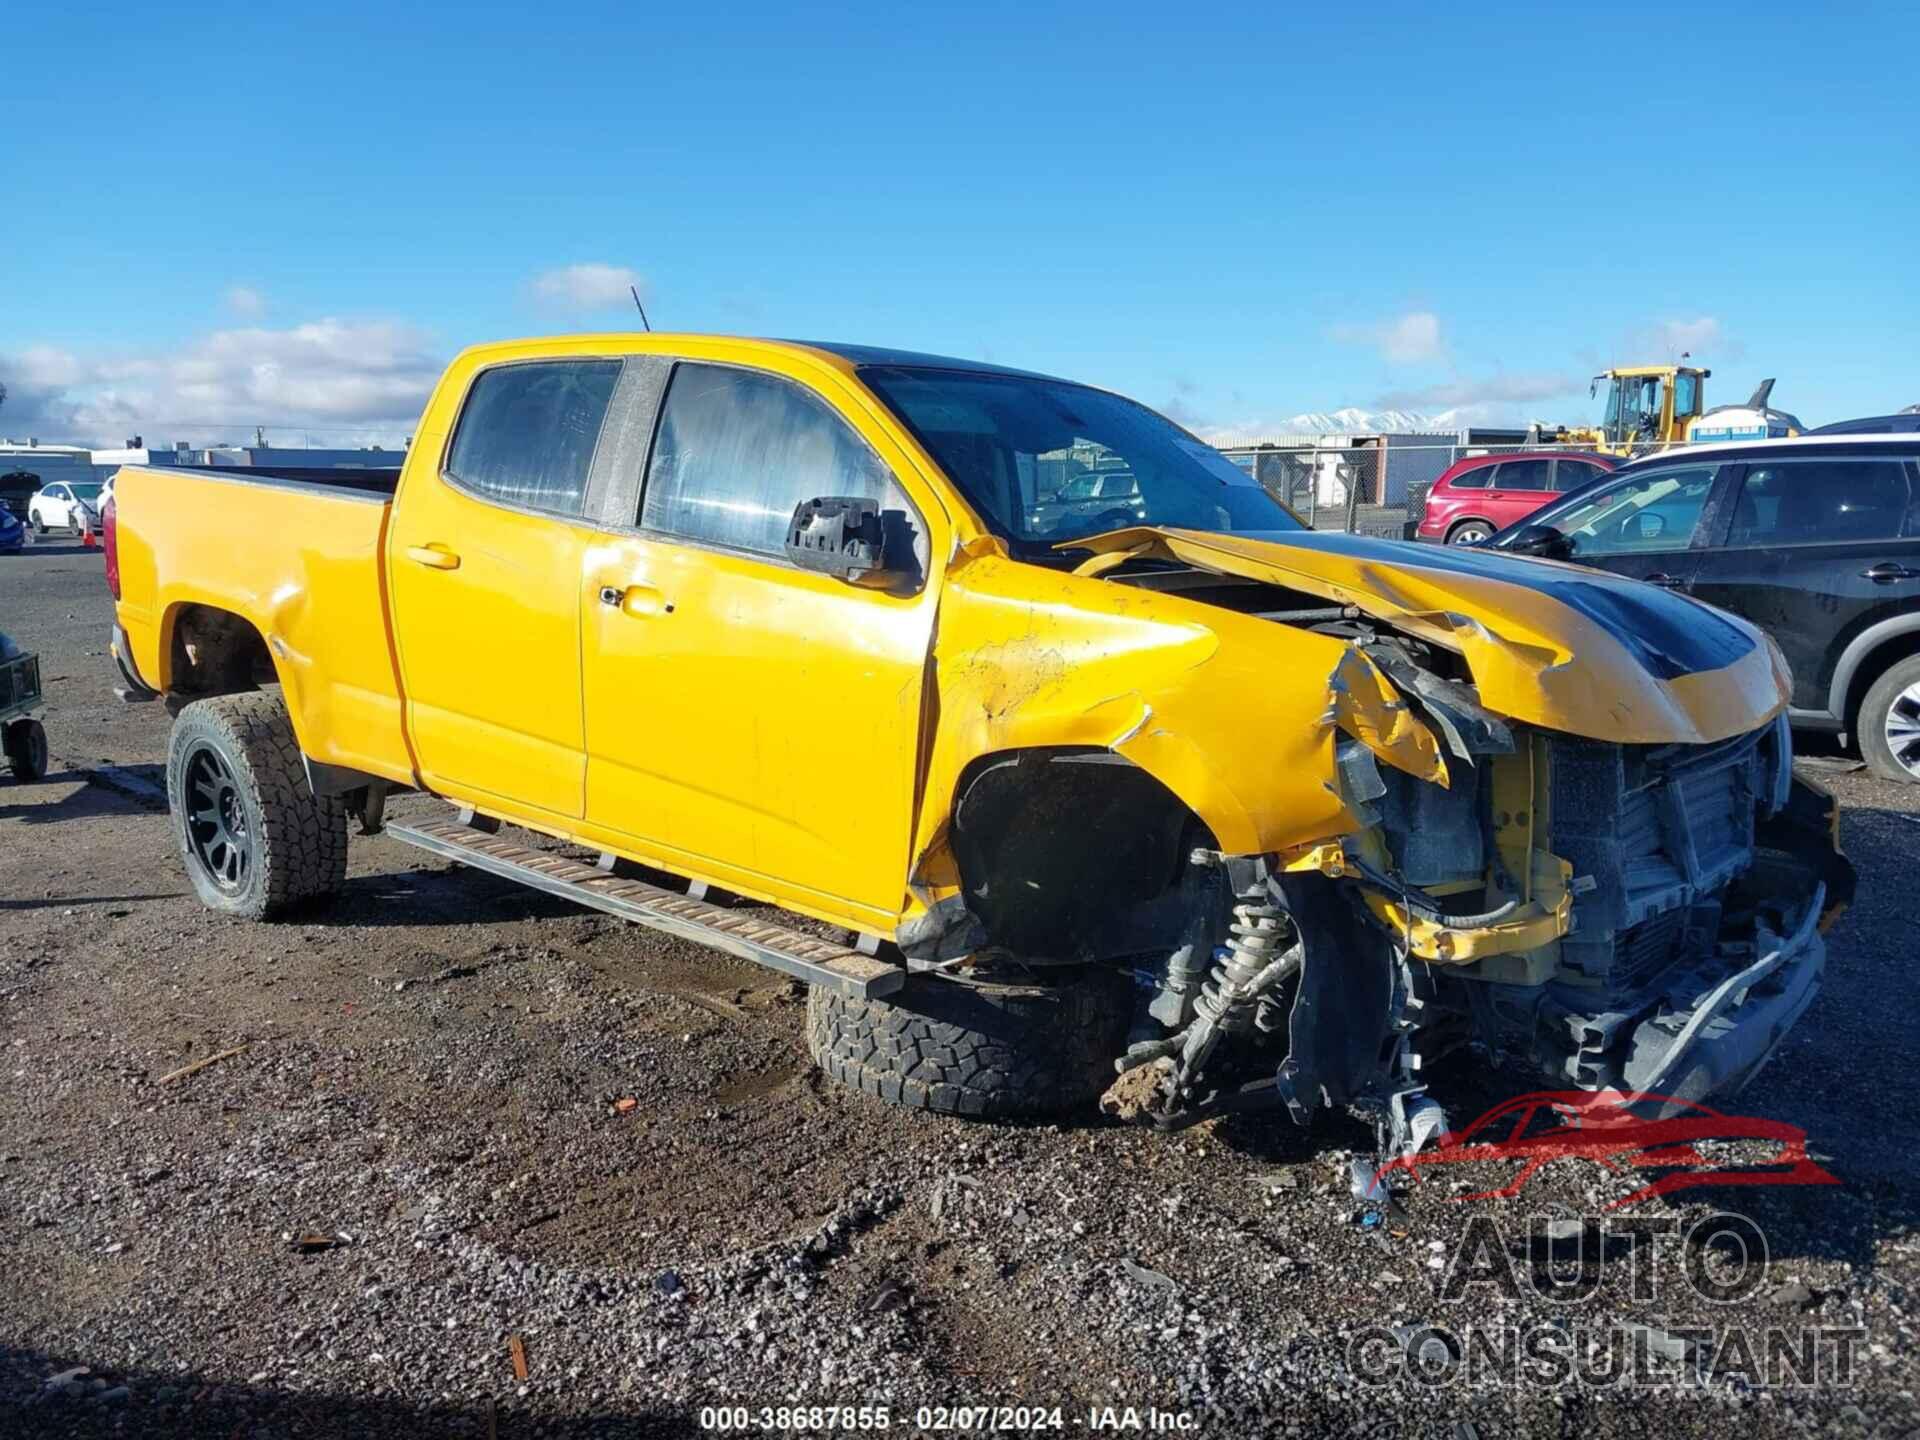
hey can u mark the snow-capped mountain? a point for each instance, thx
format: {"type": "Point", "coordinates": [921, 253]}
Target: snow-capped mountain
{"type": "Point", "coordinates": [1348, 420]}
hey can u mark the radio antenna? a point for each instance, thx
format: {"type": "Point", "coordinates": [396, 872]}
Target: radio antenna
{"type": "Point", "coordinates": [635, 291]}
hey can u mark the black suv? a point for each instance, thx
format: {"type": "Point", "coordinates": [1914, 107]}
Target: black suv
{"type": "Point", "coordinates": [1817, 541]}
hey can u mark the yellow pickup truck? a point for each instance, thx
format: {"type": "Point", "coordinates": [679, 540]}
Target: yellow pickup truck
{"type": "Point", "coordinates": [829, 656]}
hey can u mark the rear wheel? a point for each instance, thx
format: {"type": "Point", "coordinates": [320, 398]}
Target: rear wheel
{"type": "Point", "coordinates": [1469, 532]}
{"type": "Point", "coordinates": [982, 1050]}
{"type": "Point", "coordinates": [26, 746]}
{"type": "Point", "coordinates": [1888, 725]}
{"type": "Point", "coordinates": [256, 841]}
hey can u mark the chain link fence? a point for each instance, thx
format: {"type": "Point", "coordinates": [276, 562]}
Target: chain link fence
{"type": "Point", "coordinates": [1372, 486]}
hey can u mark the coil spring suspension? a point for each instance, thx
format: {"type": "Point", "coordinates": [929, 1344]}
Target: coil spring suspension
{"type": "Point", "coordinates": [1258, 935]}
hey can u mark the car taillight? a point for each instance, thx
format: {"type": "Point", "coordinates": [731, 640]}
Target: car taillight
{"type": "Point", "coordinates": [110, 542]}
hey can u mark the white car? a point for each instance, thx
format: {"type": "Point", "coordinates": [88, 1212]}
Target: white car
{"type": "Point", "coordinates": [65, 506]}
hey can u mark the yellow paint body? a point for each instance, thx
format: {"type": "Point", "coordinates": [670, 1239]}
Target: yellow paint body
{"type": "Point", "coordinates": [716, 722]}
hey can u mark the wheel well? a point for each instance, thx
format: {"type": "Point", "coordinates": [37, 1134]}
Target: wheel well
{"type": "Point", "coordinates": [1064, 851]}
{"type": "Point", "coordinates": [1880, 660]}
{"type": "Point", "coordinates": [215, 652]}
{"type": "Point", "coordinates": [1454, 528]}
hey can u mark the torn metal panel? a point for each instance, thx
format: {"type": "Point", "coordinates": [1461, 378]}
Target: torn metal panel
{"type": "Point", "coordinates": [1554, 645]}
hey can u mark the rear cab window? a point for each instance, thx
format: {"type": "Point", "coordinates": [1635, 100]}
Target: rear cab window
{"type": "Point", "coordinates": [527, 433]}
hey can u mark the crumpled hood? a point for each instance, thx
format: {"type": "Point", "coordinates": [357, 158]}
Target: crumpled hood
{"type": "Point", "coordinates": [1547, 643]}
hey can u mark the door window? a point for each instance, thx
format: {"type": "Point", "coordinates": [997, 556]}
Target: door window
{"type": "Point", "coordinates": [1686, 391]}
{"type": "Point", "coordinates": [1522, 475]}
{"type": "Point", "coordinates": [1477, 478]}
{"type": "Point", "coordinates": [737, 450]}
{"type": "Point", "coordinates": [527, 432]}
{"type": "Point", "coordinates": [1572, 474]}
{"type": "Point", "coordinates": [1653, 510]}
{"type": "Point", "coordinates": [1805, 502]}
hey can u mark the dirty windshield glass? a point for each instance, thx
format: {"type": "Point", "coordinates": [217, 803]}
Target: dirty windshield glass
{"type": "Point", "coordinates": [1043, 461]}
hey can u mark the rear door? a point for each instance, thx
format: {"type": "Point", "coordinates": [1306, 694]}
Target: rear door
{"type": "Point", "coordinates": [748, 720]}
{"type": "Point", "coordinates": [484, 557]}
{"type": "Point", "coordinates": [1645, 524]}
{"type": "Point", "coordinates": [1814, 550]}
{"type": "Point", "coordinates": [1518, 488]}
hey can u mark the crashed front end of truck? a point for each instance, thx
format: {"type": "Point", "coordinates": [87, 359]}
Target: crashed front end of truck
{"type": "Point", "coordinates": [1641, 914]}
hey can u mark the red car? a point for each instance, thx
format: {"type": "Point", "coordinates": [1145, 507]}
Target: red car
{"type": "Point", "coordinates": [1533, 1130]}
{"type": "Point", "coordinates": [1485, 493]}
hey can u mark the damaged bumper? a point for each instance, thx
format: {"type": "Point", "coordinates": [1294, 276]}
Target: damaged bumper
{"type": "Point", "coordinates": [1721, 1038]}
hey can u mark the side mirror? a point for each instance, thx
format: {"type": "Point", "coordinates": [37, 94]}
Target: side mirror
{"type": "Point", "coordinates": [1541, 540]}
{"type": "Point", "coordinates": [853, 538]}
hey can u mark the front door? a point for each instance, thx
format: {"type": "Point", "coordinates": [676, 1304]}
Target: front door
{"type": "Point", "coordinates": [1643, 525]}
{"type": "Point", "coordinates": [484, 563]}
{"type": "Point", "coordinates": [746, 719]}
{"type": "Point", "coordinates": [1815, 550]}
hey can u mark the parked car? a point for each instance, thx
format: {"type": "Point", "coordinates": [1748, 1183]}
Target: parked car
{"type": "Point", "coordinates": [1904, 422]}
{"type": "Point", "coordinates": [1814, 539]}
{"type": "Point", "coordinates": [17, 489]}
{"type": "Point", "coordinates": [65, 505]}
{"type": "Point", "coordinates": [1107, 498]}
{"type": "Point", "coordinates": [773, 617]}
{"type": "Point", "coordinates": [13, 534]}
{"type": "Point", "coordinates": [23, 739]}
{"type": "Point", "coordinates": [1483, 494]}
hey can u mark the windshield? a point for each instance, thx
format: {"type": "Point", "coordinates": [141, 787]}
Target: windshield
{"type": "Point", "coordinates": [88, 491]}
{"type": "Point", "coordinates": [1044, 461]}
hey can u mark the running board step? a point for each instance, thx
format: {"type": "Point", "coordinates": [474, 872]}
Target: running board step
{"type": "Point", "coordinates": [818, 962]}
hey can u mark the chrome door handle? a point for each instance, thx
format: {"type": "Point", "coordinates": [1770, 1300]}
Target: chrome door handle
{"type": "Point", "coordinates": [1664, 580]}
{"type": "Point", "coordinates": [1888, 573]}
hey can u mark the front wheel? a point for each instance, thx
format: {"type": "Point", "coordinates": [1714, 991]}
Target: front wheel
{"type": "Point", "coordinates": [982, 1050]}
{"type": "Point", "coordinates": [1471, 533]}
{"type": "Point", "coordinates": [1888, 725]}
{"type": "Point", "coordinates": [26, 746]}
{"type": "Point", "coordinates": [256, 841]}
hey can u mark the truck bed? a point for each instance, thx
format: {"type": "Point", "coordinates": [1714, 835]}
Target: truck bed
{"type": "Point", "coordinates": [297, 554]}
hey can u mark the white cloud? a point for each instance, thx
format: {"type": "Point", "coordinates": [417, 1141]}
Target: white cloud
{"type": "Point", "coordinates": [1408, 339]}
{"type": "Point", "coordinates": [249, 302]}
{"type": "Point", "coordinates": [587, 286]}
{"type": "Point", "coordinates": [342, 381]}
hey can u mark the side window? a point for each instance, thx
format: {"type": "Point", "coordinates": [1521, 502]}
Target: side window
{"type": "Point", "coordinates": [1685, 389]}
{"type": "Point", "coordinates": [527, 433]}
{"type": "Point", "coordinates": [1652, 510]}
{"type": "Point", "coordinates": [1474, 479]}
{"type": "Point", "coordinates": [1572, 474]}
{"type": "Point", "coordinates": [1522, 475]}
{"type": "Point", "coordinates": [737, 450]}
{"type": "Point", "coordinates": [1805, 502]}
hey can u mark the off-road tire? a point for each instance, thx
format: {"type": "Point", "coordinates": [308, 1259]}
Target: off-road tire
{"type": "Point", "coordinates": [980, 1050]}
{"type": "Point", "coordinates": [1870, 725]}
{"type": "Point", "coordinates": [26, 746]}
{"type": "Point", "coordinates": [297, 840]}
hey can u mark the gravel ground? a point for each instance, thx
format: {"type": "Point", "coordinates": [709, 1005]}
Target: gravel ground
{"type": "Point", "coordinates": [421, 1167]}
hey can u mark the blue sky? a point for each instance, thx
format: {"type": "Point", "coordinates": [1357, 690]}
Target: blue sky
{"type": "Point", "coordinates": [222, 215]}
